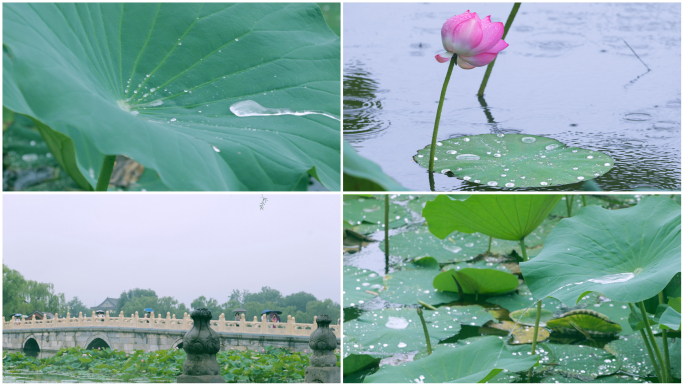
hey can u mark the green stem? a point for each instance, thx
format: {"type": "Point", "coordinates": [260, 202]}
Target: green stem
{"type": "Point", "coordinates": [649, 332]}
{"type": "Point", "coordinates": [427, 336]}
{"type": "Point", "coordinates": [568, 204]}
{"type": "Point", "coordinates": [666, 348]}
{"type": "Point", "coordinates": [524, 251]}
{"type": "Point", "coordinates": [439, 113]}
{"type": "Point", "coordinates": [648, 348]}
{"type": "Point", "coordinates": [489, 249]}
{"type": "Point", "coordinates": [386, 234]}
{"type": "Point", "coordinates": [534, 338]}
{"type": "Point", "coordinates": [584, 201]}
{"type": "Point", "coordinates": [511, 17]}
{"type": "Point", "coordinates": [105, 173]}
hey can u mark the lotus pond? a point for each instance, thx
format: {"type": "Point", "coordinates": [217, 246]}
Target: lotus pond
{"type": "Point", "coordinates": [457, 298]}
{"type": "Point", "coordinates": [270, 365]}
{"type": "Point", "coordinates": [597, 83]}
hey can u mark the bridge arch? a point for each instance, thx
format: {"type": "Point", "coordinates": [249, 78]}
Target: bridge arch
{"type": "Point", "coordinates": [30, 343]}
{"type": "Point", "coordinates": [178, 344]}
{"type": "Point", "coordinates": [98, 340]}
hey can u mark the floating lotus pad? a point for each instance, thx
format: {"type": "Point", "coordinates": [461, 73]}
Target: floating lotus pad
{"type": "Point", "coordinates": [631, 351]}
{"type": "Point", "coordinates": [476, 362]}
{"type": "Point", "coordinates": [476, 279]}
{"type": "Point", "coordinates": [393, 330]}
{"type": "Point", "coordinates": [597, 251]}
{"type": "Point", "coordinates": [515, 161]}
{"type": "Point", "coordinates": [419, 242]}
{"type": "Point", "coordinates": [407, 287]}
{"type": "Point", "coordinates": [360, 285]}
{"type": "Point", "coordinates": [591, 322]}
{"type": "Point", "coordinates": [583, 362]}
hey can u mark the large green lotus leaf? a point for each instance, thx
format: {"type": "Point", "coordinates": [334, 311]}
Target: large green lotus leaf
{"type": "Point", "coordinates": [628, 255]}
{"type": "Point", "coordinates": [357, 284]}
{"type": "Point", "coordinates": [418, 242]}
{"type": "Point", "coordinates": [476, 278]}
{"type": "Point", "coordinates": [631, 351]}
{"type": "Point", "coordinates": [409, 286]}
{"type": "Point", "coordinates": [476, 362]}
{"type": "Point", "coordinates": [515, 161]}
{"type": "Point", "coordinates": [161, 83]}
{"type": "Point", "coordinates": [582, 362]}
{"type": "Point", "coordinates": [507, 217]}
{"type": "Point", "coordinates": [361, 174]}
{"type": "Point", "coordinates": [372, 211]}
{"type": "Point", "coordinates": [393, 330]}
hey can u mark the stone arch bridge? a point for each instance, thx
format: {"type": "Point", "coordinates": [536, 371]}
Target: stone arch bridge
{"type": "Point", "coordinates": [150, 334]}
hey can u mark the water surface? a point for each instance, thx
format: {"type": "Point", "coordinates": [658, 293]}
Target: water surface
{"type": "Point", "coordinates": [568, 74]}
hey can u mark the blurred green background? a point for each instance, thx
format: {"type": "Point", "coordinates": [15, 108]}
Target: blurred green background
{"type": "Point", "coordinates": [331, 14]}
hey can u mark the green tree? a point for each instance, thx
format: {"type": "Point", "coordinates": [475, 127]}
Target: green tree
{"type": "Point", "coordinates": [13, 292]}
{"type": "Point", "coordinates": [267, 294]}
{"type": "Point", "coordinates": [299, 300]}
{"type": "Point", "coordinates": [210, 304]}
{"type": "Point", "coordinates": [75, 306]}
{"type": "Point", "coordinates": [27, 296]}
{"type": "Point", "coordinates": [130, 295]}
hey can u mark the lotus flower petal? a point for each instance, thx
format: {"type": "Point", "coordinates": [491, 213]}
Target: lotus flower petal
{"type": "Point", "coordinates": [491, 35]}
{"type": "Point", "coordinates": [443, 57]}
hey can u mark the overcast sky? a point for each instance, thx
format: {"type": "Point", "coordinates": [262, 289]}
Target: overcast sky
{"type": "Point", "coordinates": [97, 246]}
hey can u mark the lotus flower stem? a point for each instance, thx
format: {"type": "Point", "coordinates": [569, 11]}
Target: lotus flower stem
{"type": "Point", "coordinates": [534, 338]}
{"type": "Point", "coordinates": [511, 17]}
{"type": "Point", "coordinates": [427, 336]}
{"type": "Point", "coordinates": [568, 204]}
{"type": "Point", "coordinates": [105, 173]}
{"type": "Point", "coordinates": [666, 349]}
{"type": "Point", "coordinates": [524, 251]}
{"type": "Point", "coordinates": [386, 234]}
{"type": "Point", "coordinates": [649, 332]}
{"type": "Point", "coordinates": [648, 348]}
{"type": "Point", "coordinates": [489, 249]}
{"type": "Point", "coordinates": [584, 201]}
{"type": "Point", "coordinates": [431, 165]}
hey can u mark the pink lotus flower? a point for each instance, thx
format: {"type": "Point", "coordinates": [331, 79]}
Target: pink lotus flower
{"type": "Point", "coordinates": [475, 41]}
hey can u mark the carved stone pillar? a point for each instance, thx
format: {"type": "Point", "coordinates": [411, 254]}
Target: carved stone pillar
{"type": "Point", "coordinates": [323, 363]}
{"type": "Point", "coordinates": [201, 344]}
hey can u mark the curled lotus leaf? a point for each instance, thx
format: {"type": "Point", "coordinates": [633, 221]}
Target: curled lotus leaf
{"type": "Point", "coordinates": [487, 281]}
{"type": "Point", "coordinates": [580, 321]}
{"type": "Point", "coordinates": [515, 161]}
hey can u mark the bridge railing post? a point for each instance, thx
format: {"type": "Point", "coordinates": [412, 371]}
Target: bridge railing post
{"type": "Point", "coordinates": [264, 325]}
{"type": "Point", "coordinates": [80, 319]}
{"type": "Point", "coordinates": [290, 329]}
{"type": "Point", "coordinates": [222, 323]}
